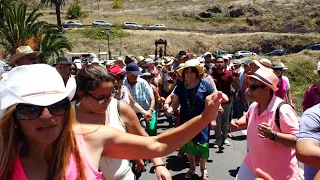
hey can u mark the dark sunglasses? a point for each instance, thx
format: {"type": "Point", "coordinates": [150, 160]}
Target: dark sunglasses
{"type": "Point", "coordinates": [103, 99]}
{"type": "Point", "coordinates": [256, 86]}
{"type": "Point", "coordinates": [277, 69]}
{"type": "Point", "coordinates": [30, 112]}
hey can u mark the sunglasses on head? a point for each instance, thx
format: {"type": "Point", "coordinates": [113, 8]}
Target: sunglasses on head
{"type": "Point", "coordinates": [103, 99]}
{"type": "Point", "coordinates": [256, 86]}
{"type": "Point", "coordinates": [30, 112]}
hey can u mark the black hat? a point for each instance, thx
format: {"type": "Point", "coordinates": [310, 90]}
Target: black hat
{"type": "Point", "coordinates": [128, 59]}
{"type": "Point", "coordinates": [181, 53]}
{"type": "Point", "coordinates": [62, 60]}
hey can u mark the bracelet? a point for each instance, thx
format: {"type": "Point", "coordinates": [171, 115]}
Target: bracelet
{"type": "Point", "coordinates": [274, 136]}
{"type": "Point", "coordinates": [160, 165]}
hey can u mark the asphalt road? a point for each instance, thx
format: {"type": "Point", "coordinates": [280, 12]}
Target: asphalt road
{"type": "Point", "coordinates": [221, 165]}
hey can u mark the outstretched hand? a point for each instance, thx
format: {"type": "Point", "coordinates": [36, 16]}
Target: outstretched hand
{"type": "Point", "coordinates": [213, 102]}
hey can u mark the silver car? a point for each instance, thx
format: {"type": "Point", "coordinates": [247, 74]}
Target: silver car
{"type": "Point", "coordinates": [241, 54]}
{"type": "Point", "coordinates": [131, 25]}
{"type": "Point", "coordinates": [100, 23]}
{"type": "Point", "coordinates": [157, 27]}
{"type": "Point", "coordinates": [70, 24]}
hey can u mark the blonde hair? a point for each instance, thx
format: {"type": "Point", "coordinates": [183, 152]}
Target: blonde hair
{"type": "Point", "coordinates": [65, 146]}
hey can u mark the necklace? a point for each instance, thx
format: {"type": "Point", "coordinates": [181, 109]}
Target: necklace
{"type": "Point", "coordinates": [193, 95]}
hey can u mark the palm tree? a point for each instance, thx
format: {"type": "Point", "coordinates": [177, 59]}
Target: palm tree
{"type": "Point", "coordinates": [52, 46]}
{"type": "Point", "coordinates": [57, 4]}
{"type": "Point", "coordinates": [21, 29]}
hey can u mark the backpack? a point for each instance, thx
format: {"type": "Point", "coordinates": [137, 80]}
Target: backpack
{"type": "Point", "coordinates": [277, 116]}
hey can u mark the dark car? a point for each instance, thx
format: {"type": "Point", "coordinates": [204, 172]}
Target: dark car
{"type": "Point", "coordinates": [277, 52]}
{"type": "Point", "coordinates": [313, 47]}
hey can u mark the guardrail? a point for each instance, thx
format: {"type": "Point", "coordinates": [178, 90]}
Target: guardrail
{"type": "Point", "coordinates": [297, 31]}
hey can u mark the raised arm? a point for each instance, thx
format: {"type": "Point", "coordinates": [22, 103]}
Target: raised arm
{"type": "Point", "coordinates": [133, 126]}
{"type": "Point", "coordinates": [118, 144]}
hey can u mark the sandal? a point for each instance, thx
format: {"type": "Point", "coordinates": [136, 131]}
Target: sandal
{"type": "Point", "coordinates": [190, 173]}
{"type": "Point", "coordinates": [205, 175]}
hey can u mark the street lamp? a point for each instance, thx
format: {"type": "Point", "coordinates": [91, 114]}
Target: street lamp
{"type": "Point", "coordinates": [107, 31]}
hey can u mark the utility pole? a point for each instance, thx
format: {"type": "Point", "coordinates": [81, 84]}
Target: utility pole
{"type": "Point", "coordinates": [108, 37]}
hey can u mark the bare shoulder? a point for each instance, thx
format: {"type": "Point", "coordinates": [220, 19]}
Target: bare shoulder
{"type": "Point", "coordinates": [96, 133]}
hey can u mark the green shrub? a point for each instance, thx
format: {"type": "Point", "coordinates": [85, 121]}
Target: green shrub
{"type": "Point", "coordinates": [99, 33]}
{"type": "Point", "coordinates": [117, 4]}
{"type": "Point", "coordinates": [301, 76]}
{"type": "Point", "coordinates": [74, 12]}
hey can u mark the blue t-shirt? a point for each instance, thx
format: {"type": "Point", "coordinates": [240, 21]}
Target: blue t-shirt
{"type": "Point", "coordinates": [310, 129]}
{"type": "Point", "coordinates": [196, 98]}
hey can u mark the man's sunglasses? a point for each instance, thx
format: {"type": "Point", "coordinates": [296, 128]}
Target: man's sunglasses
{"type": "Point", "coordinates": [103, 99]}
{"type": "Point", "coordinates": [30, 112]}
{"type": "Point", "coordinates": [256, 86]}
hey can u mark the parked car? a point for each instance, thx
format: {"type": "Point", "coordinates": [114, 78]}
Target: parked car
{"type": "Point", "coordinates": [219, 53]}
{"type": "Point", "coordinates": [277, 52]}
{"type": "Point", "coordinates": [70, 24]}
{"type": "Point", "coordinates": [100, 23]}
{"type": "Point", "coordinates": [313, 47]}
{"type": "Point", "coordinates": [131, 25]}
{"type": "Point", "coordinates": [241, 54]}
{"type": "Point", "coordinates": [157, 27]}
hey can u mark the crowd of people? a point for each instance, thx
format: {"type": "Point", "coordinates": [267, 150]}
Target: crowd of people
{"type": "Point", "coordinates": [75, 120]}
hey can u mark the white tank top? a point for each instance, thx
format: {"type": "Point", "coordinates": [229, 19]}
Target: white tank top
{"type": "Point", "coordinates": [116, 169]}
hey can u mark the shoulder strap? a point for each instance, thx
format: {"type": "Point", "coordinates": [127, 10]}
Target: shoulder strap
{"type": "Point", "coordinates": [277, 117]}
{"type": "Point", "coordinates": [118, 107]}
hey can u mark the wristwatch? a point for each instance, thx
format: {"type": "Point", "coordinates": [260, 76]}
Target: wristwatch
{"type": "Point", "coordinates": [151, 109]}
{"type": "Point", "coordinates": [274, 136]}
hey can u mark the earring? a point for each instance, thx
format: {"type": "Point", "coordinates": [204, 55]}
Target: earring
{"type": "Point", "coordinates": [15, 126]}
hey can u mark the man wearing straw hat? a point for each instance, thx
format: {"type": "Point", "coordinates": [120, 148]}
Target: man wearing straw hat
{"type": "Point", "coordinates": [272, 129]}
{"type": "Point", "coordinates": [24, 56]}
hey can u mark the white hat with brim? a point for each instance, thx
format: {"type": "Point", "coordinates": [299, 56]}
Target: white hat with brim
{"type": "Point", "coordinates": [23, 51]}
{"type": "Point", "coordinates": [279, 65]}
{"type": "Point", "coordinates": [192, 63]}
{"type": "Point", "coordinates": [25, 85]}
{"type": "Point", "coordinates": [267, 77]}
{"type": "Point", "coordinates": [167, 61]}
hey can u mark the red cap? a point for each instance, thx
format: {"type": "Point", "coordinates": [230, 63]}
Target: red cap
{"type": "Point", "coordinates": [115, 69]}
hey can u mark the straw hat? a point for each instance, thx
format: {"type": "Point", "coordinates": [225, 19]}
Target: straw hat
{"type": "Point", "coordinates": [167, 61]}
{"type": "Point", "coordinates": [267, 77]}
{"type": "Point", "coordinates": [139, 59]}
{"type": "Point", "coordinates": [262, 63]}
{"type": "Point", "coordinates": [278, 65]}
{"type": "Point", "coordinates": [23, 51]}
{"type": "Point", "coordinates": [24, 85]}
{"type": "Point", "coordinates": [192, 63]}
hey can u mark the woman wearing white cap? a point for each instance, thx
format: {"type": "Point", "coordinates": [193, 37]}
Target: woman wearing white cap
{"type": "Point", "coordinates": [40, 138]}
{"type": "Point", "coordinates": [272, 129]}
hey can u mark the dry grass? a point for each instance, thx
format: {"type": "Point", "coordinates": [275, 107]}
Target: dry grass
{"type": "Point", "coordinates": [142, 42]}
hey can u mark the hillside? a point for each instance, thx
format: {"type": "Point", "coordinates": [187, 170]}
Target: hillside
{"type": "Point", "coordinates": [205, 14]}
